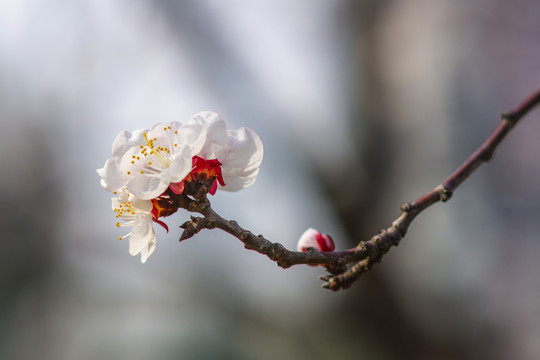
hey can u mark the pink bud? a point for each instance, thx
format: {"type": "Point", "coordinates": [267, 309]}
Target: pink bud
{"type": "Point", "coordinates": [313, 238]}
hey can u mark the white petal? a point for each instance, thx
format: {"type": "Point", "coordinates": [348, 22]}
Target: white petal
{"type": "Point", "coordinates": [146, 252]}
{"type": "Point", "coordinates": [116, 201]}
{"type": "Point", "coordinates": [111, 177]}
{"type": "Point", "coordinates": [179, 168]}
{"type": "Point", "coordinates": [162, 135]}
{"type": "Point", "coordinates": [140, 204]}
{"type": "Point", "coordinates": [147, 187]}
{"type": "Point", "coordinates": [216, 134]}
{"type": "Point", "coordinates": [193, 134]}
{"type": "Point", "coordinates": [126, 140]}
{"type": "Point", "coordinates": [126, 165]}
{"type": "Point", "coordinates": [236, 182]}
{"type": "Point", "coordinates": [143, 238]}
{"type": "Point", "coordinates": [123, 194]}
{"type": "Point", "coordinates": [245, 150]}
{"type": "Point", "coordinates": [241, 163]}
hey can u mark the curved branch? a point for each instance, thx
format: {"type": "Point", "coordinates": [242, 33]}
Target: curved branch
{"type": "Point", "coordinates": [442, 192]}
{"type": "Point", "coordinates": [367, 253]}
{"type": "Point", "coordinates": [275, 251]}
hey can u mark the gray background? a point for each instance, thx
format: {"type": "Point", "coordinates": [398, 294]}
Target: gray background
{"type": "Point", "coordinates": [361, 107]}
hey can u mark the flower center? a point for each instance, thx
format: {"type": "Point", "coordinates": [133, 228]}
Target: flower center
{"type": "Point", "coordinates": [160, 152]}
{"type": "Point", "coordinates": [125, 209]}
{"type": "Point", "coordinates": [155, 155]}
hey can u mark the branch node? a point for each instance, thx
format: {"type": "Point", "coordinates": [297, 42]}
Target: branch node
{"type": "Point", "coordinates": [371, 246]}
{"type": "Point", "coordinates": [445, 193]}
{"type": "Point", "coordinates": [276, 252]}
{"type": "Point", "coordinates": [401, 228]}
{"type": "Point", "coordinates": [510, 118]}
{"type": "Point", "coordinates": [405, 207]}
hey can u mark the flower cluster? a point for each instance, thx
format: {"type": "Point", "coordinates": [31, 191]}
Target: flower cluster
{"type": "Point", "coordinates": [148, 168]}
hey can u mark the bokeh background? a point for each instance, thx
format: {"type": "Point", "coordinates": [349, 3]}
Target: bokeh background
{"type": "Point", "coordinates": [361, 105]}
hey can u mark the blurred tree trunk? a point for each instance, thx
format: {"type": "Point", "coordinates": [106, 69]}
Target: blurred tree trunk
{"type": "Point", "coordinates": [372, 306]}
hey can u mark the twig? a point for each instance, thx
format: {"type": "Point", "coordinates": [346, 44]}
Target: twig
{"type": "Point", "coordinates": [367, 253]}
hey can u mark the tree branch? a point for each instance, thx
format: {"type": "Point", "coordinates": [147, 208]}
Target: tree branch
{"type": "Point", "coordinates": [367, 253]}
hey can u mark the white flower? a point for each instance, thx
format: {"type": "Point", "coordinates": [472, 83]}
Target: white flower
{"type": "Point", "coordinates": [164, 158]}
{"type": "Point", "coordinates": [111, 176]}
{"type": "Point", "coordinates": [138, 214]}
{"type": "Point", "coordinates": [240, 152]}
{"type": "Point", "coordinates": [148, 162]}
{"type": "Point", "coordinates": [313, 238]}
{"type": "Point", "coordinates": [150, 168]}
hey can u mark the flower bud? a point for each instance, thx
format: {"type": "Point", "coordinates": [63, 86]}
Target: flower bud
{"type": "Point", "coordinates": [313, 238]}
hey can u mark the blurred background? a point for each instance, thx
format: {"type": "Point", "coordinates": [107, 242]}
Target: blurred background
{"type": "Point", "coordinates": [361, 106]}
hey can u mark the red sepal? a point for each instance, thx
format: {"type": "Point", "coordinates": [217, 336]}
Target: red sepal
{"type": "Point", "coordinates": [162, 224]}
{"type": "Point", "coordinates": [325, 242]}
